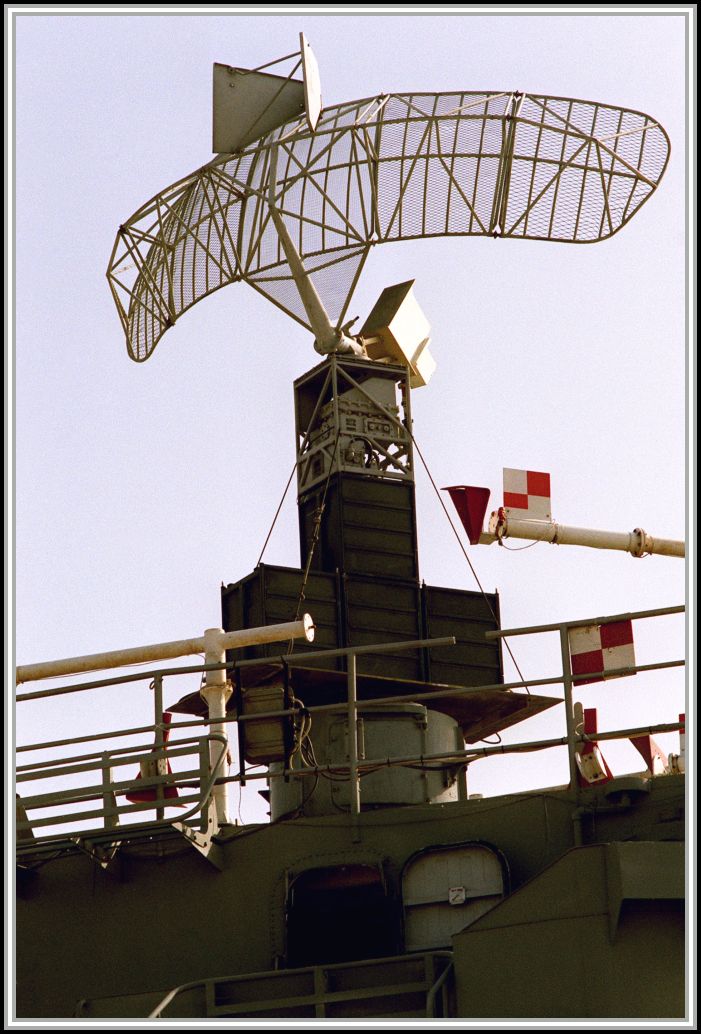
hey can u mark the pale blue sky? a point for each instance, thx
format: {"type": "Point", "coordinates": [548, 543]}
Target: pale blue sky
{"type": "Point", "coordinates": [140, 488]}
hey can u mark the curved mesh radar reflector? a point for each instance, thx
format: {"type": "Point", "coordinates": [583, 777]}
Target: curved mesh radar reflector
{"type": "Point", "coordinates": [382, 169]}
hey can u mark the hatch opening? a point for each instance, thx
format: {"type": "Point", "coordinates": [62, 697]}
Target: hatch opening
{"type": "Point", "coordinates": [338, 914]}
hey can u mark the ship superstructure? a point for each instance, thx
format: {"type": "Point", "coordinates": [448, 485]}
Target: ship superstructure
{"type": "Point", "coordinates": [380, 887]}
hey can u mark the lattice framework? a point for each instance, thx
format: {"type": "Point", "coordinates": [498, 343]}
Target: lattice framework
{"type": "Point", "coordinates": [386, 168]}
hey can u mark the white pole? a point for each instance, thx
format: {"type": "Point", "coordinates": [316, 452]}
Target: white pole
{"type": "Point", "coordinates": [636, 542]}
{"type": "Point", "coordinates": [216, 693]}
{"type": "Point", "coordinates": [304, 628]}
{"type": "Point", "coordinates": [327, 338]}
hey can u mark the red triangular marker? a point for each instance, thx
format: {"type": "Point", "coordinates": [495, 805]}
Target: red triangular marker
{"type": "Point", "coordinates": [648, 749]}
{"type": "Point", "coordinates": [149, 794]}
{"type": "Point", "coordinates": [471, 504]}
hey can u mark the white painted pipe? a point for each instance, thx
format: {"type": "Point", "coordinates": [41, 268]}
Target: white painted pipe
{"type": "Point", "coordinates": [304, 628]}
{"type": "Point", "coordinates": [636, 542]}
{"type": "Point", "coordinates": [216, 692]}
{"type": "Point", "coordinates": [327, 338]}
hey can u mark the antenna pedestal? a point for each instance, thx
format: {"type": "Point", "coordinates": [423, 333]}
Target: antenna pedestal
{"type": "Point", "coordinates": [355, 471]}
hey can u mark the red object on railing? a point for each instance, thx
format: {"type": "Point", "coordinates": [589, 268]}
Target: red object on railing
{"type": "Point", "coordinates": [650, 752]}
{"type": "Point", "coordinates": [591, 762]}
{"type": "Point", "coordinates": [150, 768]}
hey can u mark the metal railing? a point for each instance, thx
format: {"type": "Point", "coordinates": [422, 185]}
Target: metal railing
{"type": "Point", "coordinates": [432, 985]}
{"type": "Point", "coordinates": [569, 680]}
{"type": "Point", "coordinates": [108, 790]}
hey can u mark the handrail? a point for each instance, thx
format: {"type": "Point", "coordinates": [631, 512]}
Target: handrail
{"type": "Point", "coordinates": [466, 756]}
{"type": "Point", "coordinates": [317, 655]}
{"type": "Point", "coordinates": [135, 752]}
{"type": "Point", "coordinates": [569, 680]}
{"type": "Point", "coordinates": [433, 991]}
{"type": "Point", "coordinates": [406, 698]}
{"type": "Point", "coordinates": [579, 622]}
{"type": "Point", "coordinates": [113, 811]}
{"type": "Point", "coordinates": [156, 1013]}
{"type": "Point", "coordinates": [356, 768]}
{"type": "Point", "coordinates": [322, 997]}
{"type": "Point", "coordinates": [219, 720]}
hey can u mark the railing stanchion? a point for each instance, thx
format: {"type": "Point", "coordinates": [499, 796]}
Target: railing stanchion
{"type": "Point", "coordinates": [158, 722]}
{"type": "Point", "coordinates": [569, 706]}
{"type": "Point", "coordinates": [109, 799]}
{"type": "Point", "coordinates": [353, 745]}
{"type": "Point", "coordinates": [205, 754]}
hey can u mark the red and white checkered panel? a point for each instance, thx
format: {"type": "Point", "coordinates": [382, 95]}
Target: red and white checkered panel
{"type": "Point", "coordinates": [527, 494]}
{"type": "Point", "coordinates": [598, 649]}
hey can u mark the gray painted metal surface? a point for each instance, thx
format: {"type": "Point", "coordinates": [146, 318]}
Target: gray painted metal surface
{"type": "Point", "coordinates": [383, 731]}
{"type": "Point", "coordinates": [447, 889]}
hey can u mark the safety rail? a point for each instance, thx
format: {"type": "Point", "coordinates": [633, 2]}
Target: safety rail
{"type": "Point", "coordinates": [410, 985]}
{"type": "Point", "coordinates": [107, 790]}
{"type": "Point", "coordinates": [110, 790]}
{"type": "Point", "coordinates": [569, 679]}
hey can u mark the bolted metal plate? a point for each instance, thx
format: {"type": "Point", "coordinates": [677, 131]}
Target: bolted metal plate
{"type": "Point", "coordinates": [248, 105]}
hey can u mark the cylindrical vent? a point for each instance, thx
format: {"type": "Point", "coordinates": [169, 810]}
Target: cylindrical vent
{"type": "Point", "coordinates": [384, 733]}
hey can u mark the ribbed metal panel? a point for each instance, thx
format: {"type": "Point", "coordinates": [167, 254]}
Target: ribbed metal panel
{"type": "Point", "coordinates": [473, 661]}
{"type": "Point", "coordinates": [357, 610]}
{"type": "Point", "coordinates": [368, 527]}
{"type": "Point", "coordinates": [271, 595]}
{"type": "Point", "coordinates": [384, 610]}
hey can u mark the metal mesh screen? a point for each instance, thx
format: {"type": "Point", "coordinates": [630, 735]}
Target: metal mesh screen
{"type": "Point", "coordinates": [382, 169]}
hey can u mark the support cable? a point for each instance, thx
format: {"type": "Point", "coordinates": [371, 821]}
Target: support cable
{"type": "Point", "coordinates": [277, 512]}
{"type": "Point", "coordinates": [315, 535]}
{"type": "Point", "coordinates": [464, 552]}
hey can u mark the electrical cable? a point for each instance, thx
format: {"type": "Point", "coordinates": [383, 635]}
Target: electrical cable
{"type": "Point", "coordinates": [492, 743]}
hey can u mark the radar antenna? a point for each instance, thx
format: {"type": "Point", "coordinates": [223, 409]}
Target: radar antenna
{"type": "Point", "coordinates": [300, 195]}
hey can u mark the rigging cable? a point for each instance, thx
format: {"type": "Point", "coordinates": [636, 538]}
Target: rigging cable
{"type": "Point", "coordinates": [464, 552]}
{"type": "Point", "coordinates": [315, 534]}
{"type": "Point", "coordinates": [277, 512]}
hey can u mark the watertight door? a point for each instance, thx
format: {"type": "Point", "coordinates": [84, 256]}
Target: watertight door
{"type": "Point", "coordinates": [447, 888]}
